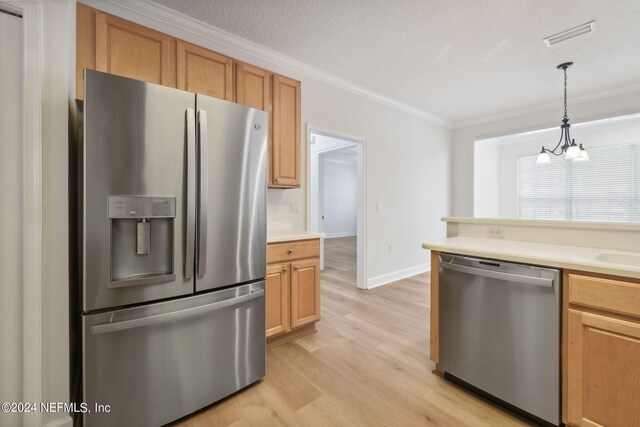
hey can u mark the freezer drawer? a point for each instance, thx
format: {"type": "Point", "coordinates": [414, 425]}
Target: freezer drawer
{"type": "Point", "coordinates": [157, 363]}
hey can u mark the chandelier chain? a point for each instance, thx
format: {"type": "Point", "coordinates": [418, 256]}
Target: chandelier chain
{"type": "Point", "coordinates": [565, 93]}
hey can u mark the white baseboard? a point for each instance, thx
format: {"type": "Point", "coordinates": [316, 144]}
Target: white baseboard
{"type": "Point", "coordinates": [65, 421]}
{"type": "Point", "coordinates": [397, 275]}
{"type": "Point", "coordinates": [341, 234]}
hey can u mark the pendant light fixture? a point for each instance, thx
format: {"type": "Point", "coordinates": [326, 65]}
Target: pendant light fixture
{"type": "Point", "coordinates": [565, 145]}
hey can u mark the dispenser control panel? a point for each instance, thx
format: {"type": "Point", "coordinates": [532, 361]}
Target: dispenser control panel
{"type": "Point", "coordinates": [141, 207]}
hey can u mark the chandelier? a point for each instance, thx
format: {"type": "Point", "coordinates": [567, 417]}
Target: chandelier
{"type": "Point", "coordinates": [565, 145]}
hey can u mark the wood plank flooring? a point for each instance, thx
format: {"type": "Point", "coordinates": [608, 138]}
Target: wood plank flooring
{"type": "Point", "coordinates": [368, 364]}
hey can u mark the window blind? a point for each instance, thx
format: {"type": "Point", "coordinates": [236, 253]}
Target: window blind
{"type": "Point", "coordinates": [606, 188]}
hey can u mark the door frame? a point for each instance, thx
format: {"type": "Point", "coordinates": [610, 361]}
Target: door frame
{"type": "Point", "coordinates": [32, 206]}
{"type": "Point", "coordinates": [361, 245]}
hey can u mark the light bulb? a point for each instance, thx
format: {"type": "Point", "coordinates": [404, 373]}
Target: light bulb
{"type": "Point", "coordinates": [583, 156]}
{"type": "Point", "coordinates": [573, 152]}
{"type": "Point", "coordinates": [543, 158]}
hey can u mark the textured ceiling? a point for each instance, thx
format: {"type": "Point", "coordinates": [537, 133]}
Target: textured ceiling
{"type": "Point", "coordinates": [458, 59]}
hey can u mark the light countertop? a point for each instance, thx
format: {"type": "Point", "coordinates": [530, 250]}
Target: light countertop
{"type": "Point", "coordinates": [595, 260]}
{"type": "Point", "coordinates": [289, 237]}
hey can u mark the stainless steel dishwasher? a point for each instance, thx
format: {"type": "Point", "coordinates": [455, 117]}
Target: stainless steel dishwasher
{"type": "Point", "coordinates": [500, 332]}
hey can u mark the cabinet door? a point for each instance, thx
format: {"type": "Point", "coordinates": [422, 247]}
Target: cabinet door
{"type": "Point", "coordinates": [305, 292]}
{"type": "Point", "coordinates": [134, 51]}
{"type": "Point", "coordinates": [604, 370]}
{"type": "Point", "coordinates": [253, 87]}
{"type": "Point", "coordinates": [203, 71]}
{"type": "Point", "coordinates": [285, 148]}
{"type": "Point", "coordinates": [277, 298]}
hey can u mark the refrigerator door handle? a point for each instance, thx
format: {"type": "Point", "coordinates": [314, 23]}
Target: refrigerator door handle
{"type": "Point", "coordinates": [204, 192]}
{"type": "Point", "coordinates": [106, 328]}
{"type": "Point", "coordinates": [191, 194]}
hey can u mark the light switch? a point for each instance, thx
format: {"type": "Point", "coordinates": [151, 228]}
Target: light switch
{"type": "Point", "coordinates": [379, 207]}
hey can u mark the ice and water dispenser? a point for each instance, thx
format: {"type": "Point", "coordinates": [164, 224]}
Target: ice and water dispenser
{"type": "Point", "coordinates": [142, 242]}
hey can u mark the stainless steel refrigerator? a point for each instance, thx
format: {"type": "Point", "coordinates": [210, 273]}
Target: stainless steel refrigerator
{"type": "Point", "coordinates": [173, 250]}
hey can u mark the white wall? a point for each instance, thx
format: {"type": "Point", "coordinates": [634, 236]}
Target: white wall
{"type": "Point", "coordinates": [340, 197]}
{"type": "Point", "coordinates": [11, 212]}
{"type": "Point", "coordinates": [502, 154]}
{"type": "Point", "coordinates": [486, 180]}
{"type": "Point", "coordinates": [408, 158]}
{"type": "Point", "coordinates": [59, 68]}
{"type": "Point", "coordinates": [618, 104]}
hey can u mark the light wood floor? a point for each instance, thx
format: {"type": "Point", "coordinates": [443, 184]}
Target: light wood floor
{"type": "Point", "coordinates": [368, 365]}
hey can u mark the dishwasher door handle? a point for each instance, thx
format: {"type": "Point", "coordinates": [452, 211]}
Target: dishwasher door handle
{"type": "Point", "coordinates": [491, 274]}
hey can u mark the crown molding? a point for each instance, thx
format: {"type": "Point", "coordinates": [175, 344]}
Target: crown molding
{"type": "Point", "coordinates": [169, 21]}
{"type": "Point", "coordinates": [635, 87]}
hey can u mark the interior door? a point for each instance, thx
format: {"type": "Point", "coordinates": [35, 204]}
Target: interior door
{"type": "Point", "coordinates": [232, 176]}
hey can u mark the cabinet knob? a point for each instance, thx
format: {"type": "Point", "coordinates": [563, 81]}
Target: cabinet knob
{"type": "Point", "coordinates": [277, 180]}
{"type": "Point", "coordinates": [284, 270]}
{"type": "Point", "coordinates": [289, 251]}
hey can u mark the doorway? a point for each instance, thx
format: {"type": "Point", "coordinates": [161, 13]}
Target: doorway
{"type": "Point", "coordinates": [336, 202]}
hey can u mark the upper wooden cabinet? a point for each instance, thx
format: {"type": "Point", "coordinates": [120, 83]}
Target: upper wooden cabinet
{"type": "Point", "coordinates": [253, 86]}
{"type": "Point", "coordinates": [134, 51]}
{"type": "Point", "coordinates": [113, 45]}
{"type": "Point", "coordinates": [285, 147]}
{"type": "Point", "coordinates": [85, 44]}
{"type": "Point", "coordinates": [203, 71]}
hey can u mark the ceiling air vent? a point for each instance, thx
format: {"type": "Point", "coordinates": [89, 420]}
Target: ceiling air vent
{"type": "Point", "coordinates": [589, 27]}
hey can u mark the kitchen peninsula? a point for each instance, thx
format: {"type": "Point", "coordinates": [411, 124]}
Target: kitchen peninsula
{"type": "Point", "coordinates": [597, 300]}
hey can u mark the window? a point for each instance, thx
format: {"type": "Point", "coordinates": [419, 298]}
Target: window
{"type": "Point", "coordinates": [606, 188]}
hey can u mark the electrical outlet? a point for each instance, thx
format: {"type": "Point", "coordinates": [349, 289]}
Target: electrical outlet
{"type": "Point", "coordinates": [495, 232]}
{"type": "Point", "coordinates": [379, 207]}
{"type": "Point", "coordinates": [294, 208]}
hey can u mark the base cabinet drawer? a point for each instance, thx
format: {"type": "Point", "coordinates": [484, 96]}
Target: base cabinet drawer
{"type": "Point", "coordinates": [617, 296]}
{"type": "Point", "coordinates": [289, 251]}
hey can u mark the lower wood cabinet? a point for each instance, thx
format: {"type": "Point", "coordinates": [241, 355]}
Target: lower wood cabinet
{"type": "Point", "coordinates": [305, 292]}
{"type": "Point", "coordinates": [602, 359]}
{"type": "Point", "coordinates": [292, 290]}
{"type": "Point", "coordinates": [277, 297]}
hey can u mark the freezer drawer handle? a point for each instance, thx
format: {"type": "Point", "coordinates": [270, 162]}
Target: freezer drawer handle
{"type": "Point", "coordinates": [525, 280]}
{"type": "Point", "coordinates": [175, 315]}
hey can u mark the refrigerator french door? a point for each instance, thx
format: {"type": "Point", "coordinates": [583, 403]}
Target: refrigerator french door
{"type": "Point", "coordinates": [173, 254]}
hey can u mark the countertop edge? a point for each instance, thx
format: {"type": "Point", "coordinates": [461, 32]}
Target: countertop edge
{"type": "Point", "coordinates": [527, 259]}
{"type": "Point", "coordinates": [294, 237]}
{"type": "Point", "coordinates": [581, 225]}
